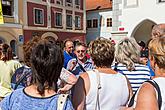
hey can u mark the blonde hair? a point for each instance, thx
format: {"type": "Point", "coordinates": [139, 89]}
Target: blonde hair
{"type": "Point", "coordinates": [157, 50]}
{"type": "Point", "coordinates": [102, 52]}
{"type": "Point", "coordinates": [128, 53]}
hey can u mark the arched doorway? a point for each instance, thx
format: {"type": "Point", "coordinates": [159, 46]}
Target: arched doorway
{"type": "Point", "coordinates": [142, 32]}
{"type": "Point", "coordinates": [49, 35]}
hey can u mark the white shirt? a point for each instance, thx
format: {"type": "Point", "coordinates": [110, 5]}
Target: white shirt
{"type": "Point", "coordinates": [113, 94]}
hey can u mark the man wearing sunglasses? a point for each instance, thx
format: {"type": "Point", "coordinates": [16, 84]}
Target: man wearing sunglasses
{"type": "Point", "coordinates": [83, 63]}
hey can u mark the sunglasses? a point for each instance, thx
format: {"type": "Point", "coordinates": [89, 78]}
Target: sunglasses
{"type": "Point", "coordinates": [82, 51]}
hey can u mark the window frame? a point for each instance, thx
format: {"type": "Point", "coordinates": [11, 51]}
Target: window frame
{"type": "Point", "coordinates": [93, 23]}
{"type": "Point", "coordinates": [77, 5]}
{"type": "Point", "coordinates": [109, 23]}
{"type": "Point", "coordinates": [90, 23]}
{"type": "Point", "coordinates": [78, 21]}
{"type": "Point", "coordinates": [34, 21]}
{"type": "Point", "coordinates": [12, 8]}
{"type": "Point", "coordinates": [69, 27]}
{"type": "Point", "coordinates": [56, 19]}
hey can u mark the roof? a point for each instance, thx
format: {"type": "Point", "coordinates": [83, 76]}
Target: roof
{"type": "Point", "coordinates": [98, 4]}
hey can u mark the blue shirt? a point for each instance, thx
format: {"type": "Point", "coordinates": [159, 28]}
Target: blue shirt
{"type": "Point", "coordinates": [19, 100]}
{"type": "Point", "coordinates": [151, 71]}
{"type": "Point", "coordinates": [67, 57]}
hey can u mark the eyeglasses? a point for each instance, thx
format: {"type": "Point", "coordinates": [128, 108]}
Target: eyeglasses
{"type": "Point", "coordinates": [82, 51]}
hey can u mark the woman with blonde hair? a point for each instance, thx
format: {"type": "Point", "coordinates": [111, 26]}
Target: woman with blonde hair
{"type": "Point", "coordinates": [127, 56]}
{"type": "Point", "coordinates": [152, 97]}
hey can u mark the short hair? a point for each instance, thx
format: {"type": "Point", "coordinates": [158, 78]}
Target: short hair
{"type": "Point", "coordinates": [80, 44]}
{"type": "Point", "coordinates": [47, 61]}
{"type": "Point", "coordinates": [157, 49]}
{"type": "Point", "coordinates": [67, 40]}
{"type": "Point", "coordinates": [102, 52]}
{"type": "Point", "coordinates": [128, 53]}
{"type": "Point", "coordinates": [27, 49]}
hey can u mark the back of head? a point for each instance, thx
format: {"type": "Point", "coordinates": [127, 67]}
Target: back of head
{"type": "Point", "coordinates": [27, 49]}
{"type": "Point", "coordinates": [157, 50]}
{"type": "Point", "coordinates": [7, 53]}
{"type": "Point", "coordinates": [102, 52]}
{"type": "Point", "coordinates": [47, 61]}
{"type": "Point", "coordinates": [158, 30]}
{"type": "Point", "coordinates": [128, 53]}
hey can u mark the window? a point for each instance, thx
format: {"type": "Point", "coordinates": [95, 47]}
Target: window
{"type": "Point", "coordinates": [89, 23]}
{"type": "Point", "coordinates": [109, 22]}
{"type": "Point", "coordinates": [77, 21]}
{"type": "Point", "coordinates": [68, 2]}
{"type": "Point", "coordinates": [95, 23]}
{"type": "Point", "coordinates": [69, 21]}
{"type": "Point", "coordinates": [39, 16]}
{"type": "Point", "coordinates": [77, 4]}
{"type": "Point", "coordinates": [59, 2]}
{"type": "Point", "coordinates": [7, 7]}
{"type": "Point", "coordinates": [161, 0]}
{"type": "Point", "coordinates": [58, 19]}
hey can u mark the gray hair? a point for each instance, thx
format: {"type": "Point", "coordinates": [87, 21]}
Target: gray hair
{"type": "Point", "coordinates": [128, 53]}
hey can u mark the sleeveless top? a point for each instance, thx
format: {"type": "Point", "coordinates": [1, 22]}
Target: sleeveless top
{"type": "Point", "coordinates": [113, 93]}
{"type": "Point", "coordinates": [160, 81]}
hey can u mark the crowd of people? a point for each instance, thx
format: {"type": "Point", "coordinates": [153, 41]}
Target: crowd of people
{"type": "Point", "coordinates": [104, 75]}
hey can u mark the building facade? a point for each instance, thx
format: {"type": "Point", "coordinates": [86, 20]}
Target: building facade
{"type": "Point", "coordinates": [135, 18]}
{"type": "Point", "coordinates": [60, 19]}
{"type": "Point", "coordinates": [11, 30]}
{"type": "Point", "coordinates": [57, 19]}
{"type": "Point", "coordinates": [99, 19]}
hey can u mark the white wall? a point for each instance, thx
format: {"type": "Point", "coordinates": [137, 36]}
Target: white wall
{"type": "Point", "coordinates": [131, 16]}
{"type": "Point", "coordinates": [102, 31]}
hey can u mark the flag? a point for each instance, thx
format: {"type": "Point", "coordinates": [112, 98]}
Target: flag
{"type": "Point", "coordinates": [1, 13]}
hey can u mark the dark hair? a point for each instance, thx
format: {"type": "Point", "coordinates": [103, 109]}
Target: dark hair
{"type": "Point", "coordinates": [142, 44]}
{"type": "Point", "coordinates": [7, 52]}
{"type": "Point", "coordinates": [102, 52]}
{"type": "Point", "coordinates": [47, 61]}
{"type": "Point", "coordinates": [27, 49]}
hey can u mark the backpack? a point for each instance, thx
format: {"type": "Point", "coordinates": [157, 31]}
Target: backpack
{"type": "Point", "coordinates": [153, 83]}
{"type": "Point", "coordinates": [21, 77]}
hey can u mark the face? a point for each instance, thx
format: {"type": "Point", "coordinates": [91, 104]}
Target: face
{"type": "Point", "coordinates": [80, 52]}
{"type": "Point", "coordinates": [69, 47]}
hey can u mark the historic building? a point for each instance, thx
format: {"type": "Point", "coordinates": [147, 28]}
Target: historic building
{"type": "Point", "coordinates": [57, 19]}
{"type": "Point", "coordinates": [99, 19]}
{"type": "Point", "coordinates": [12, 30]}
{"type": "Point", "coordinates": [60, 19]}
{"type": "Point", "coordinates": [135, 18]}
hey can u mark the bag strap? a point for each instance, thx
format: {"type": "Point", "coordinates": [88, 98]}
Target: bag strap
{"type": "Point", "coordinates": [153, 83]}
{"type": "Point", "coordinates": [61, 101]}
{"type": "Point", "coordinates": [98, 88]}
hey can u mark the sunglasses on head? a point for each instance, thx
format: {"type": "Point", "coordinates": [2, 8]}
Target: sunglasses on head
{"type": "Point", "coordinates": [82, 51]}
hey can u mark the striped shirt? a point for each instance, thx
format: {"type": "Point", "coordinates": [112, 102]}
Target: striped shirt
{"type": "Point", "coordinates": [137, 76]}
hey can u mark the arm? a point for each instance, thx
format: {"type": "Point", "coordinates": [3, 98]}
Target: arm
{"type": "Point", "coordinates": [146, 99]}
{"type": "Point", "coordinates": [80, 90]}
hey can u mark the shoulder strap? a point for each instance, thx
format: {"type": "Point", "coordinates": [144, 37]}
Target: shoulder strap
{"type": "Point", "coordinates": [81, 67]}
{"type": "Point", "coordinates": [98, 88]}
{"type": "Point", "coordinates": [153, 83]}
{"type": "Point", "coordinates": [61, 101]}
